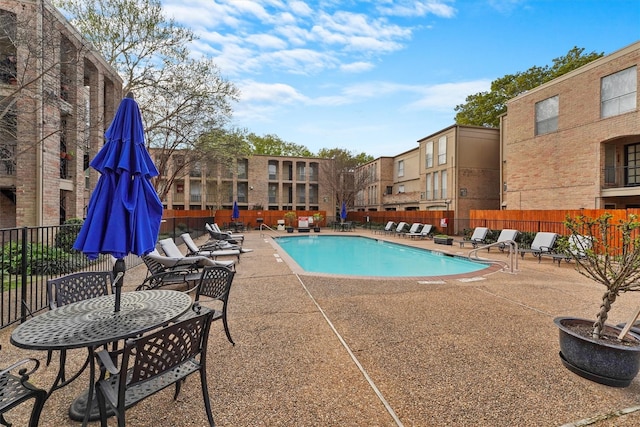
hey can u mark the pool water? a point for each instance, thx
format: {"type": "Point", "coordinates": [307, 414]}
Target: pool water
{"type": "Point", "coordinates": [363, 256]}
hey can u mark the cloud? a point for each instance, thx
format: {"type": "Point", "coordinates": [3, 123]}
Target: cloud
{"type": "Point", "coordinates": [356, 67]}
{"type": "Point", "coordinates": [444, 97]}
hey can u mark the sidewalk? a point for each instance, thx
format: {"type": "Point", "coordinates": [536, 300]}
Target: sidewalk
{"type": "Point", "coordinates": [318, 351]}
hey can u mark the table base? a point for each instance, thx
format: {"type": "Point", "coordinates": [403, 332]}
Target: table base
{"type": "Point", "coordinates": [78, 408]}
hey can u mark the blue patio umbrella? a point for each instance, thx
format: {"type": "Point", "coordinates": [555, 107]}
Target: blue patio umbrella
{"type": "Point", "coordinates": [343, 211]}
{"type": "Point", "coordinates": [235, 214]}
{"type": "Point", "coordinates": [124, 211]}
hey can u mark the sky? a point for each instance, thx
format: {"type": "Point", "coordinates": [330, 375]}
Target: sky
{"type": "Point", "coordinates": [375, 76]}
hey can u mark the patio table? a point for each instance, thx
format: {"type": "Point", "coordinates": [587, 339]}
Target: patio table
{"type": "Point", "coordinates": [92, 323]}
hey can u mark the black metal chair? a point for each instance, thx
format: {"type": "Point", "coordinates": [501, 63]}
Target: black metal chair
{"type": "Point", "coordinates": [73, 288]}
{"type": "Point", "coordinates": [215, 284]}
{"type": "Point", "coordinates": [157, 361]}
{"type": "Point", "coordinates": [16, 389]}
{"type": "Point", "coordinates": [168, 273]}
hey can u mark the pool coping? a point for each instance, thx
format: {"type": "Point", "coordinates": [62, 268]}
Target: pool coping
{"type": "Point", "coordinates": [491, 268]}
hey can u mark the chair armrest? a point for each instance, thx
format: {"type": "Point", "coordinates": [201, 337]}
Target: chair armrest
{"type": "Point", "coordinates": [23, 372]}
{"type": "Point", "coordinates": [106, 361]}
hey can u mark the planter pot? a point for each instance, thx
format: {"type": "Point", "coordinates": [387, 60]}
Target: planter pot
{"type": "Point", "coordinates": [289, 229]}
{"type": "Point", "coordinates": [316, 229]}
{"type": "Point", "coordinates": [443, 240]}
{"type": "Point", "coordinates": [605, 362]}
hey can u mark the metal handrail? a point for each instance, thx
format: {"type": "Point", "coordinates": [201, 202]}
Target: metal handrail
{"type": "Point", "coordinates": [511, 266]}
{"type": "Point", "coordinates": [262, 226]}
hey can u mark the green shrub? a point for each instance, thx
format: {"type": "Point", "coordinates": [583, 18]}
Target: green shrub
{"type": "Point", "coordinates": [68, 233]}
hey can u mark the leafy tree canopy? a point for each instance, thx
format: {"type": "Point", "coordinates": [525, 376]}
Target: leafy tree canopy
{"type": "Point", "coordinates": [485, 108]}
{"type": "Point", "coordinates": [273, 145]}
{"type": "Point", "coordinates": [344, 158]}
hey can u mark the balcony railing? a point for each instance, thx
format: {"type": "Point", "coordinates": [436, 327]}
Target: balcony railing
{"type": "Point", "coordinates": [620, 176]}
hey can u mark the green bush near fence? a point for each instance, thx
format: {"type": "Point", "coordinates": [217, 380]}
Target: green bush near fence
{"type": "Point", "coordinates": [41, 260]}
{"type": "Point", "coordinates": [68, 233]}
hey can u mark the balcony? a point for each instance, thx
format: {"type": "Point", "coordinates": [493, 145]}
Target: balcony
{"type": "Point", "coordinates": [620, 181]}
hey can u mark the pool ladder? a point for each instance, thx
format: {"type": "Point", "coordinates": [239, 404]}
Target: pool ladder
{"type": "Point", "coordinates": [511, 266]}
{"type": "Point", "coordinates": [263, 226]}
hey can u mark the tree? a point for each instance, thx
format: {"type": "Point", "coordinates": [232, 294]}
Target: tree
{"type": "Point", "coordinates": [181, 98]}
{"type": "Point", "coordinates": [485, 108]}
{"type": "Point", "coordinates": [339, 176]}
{"type": "Point", "coordinates": [273, 145]}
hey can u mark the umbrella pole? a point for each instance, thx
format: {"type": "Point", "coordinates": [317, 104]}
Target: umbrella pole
{"type": "Point", "coordinates": [118, 272]}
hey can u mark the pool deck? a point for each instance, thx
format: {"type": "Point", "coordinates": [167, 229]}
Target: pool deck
{"type": "Point", "coordinates": [332, 351]}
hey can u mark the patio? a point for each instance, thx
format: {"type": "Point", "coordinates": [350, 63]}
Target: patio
{"type": "Point", "coordinates": [475, 352]}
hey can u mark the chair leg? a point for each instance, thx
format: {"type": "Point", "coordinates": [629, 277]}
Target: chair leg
{"type": "Point", "coordinates": [4, 422]}
{"type": "Point", "coordinates": [205, 396]}
{"type": "Point", "coordinates": [226, 327]}
{"type": "Point", "coordinates": [40, 399]}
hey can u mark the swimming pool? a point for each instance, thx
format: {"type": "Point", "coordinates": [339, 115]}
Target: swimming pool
{"type": "Point", "coordinates": [364, 256]}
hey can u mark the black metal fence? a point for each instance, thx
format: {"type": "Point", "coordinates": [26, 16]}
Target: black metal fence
{"type": "Point", "coordinates": [29, 256]}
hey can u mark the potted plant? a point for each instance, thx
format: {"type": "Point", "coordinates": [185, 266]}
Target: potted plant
{"type": "Point", "coordinates": [289, 219]}
{"type": "Point", "coordinates": [317, 217]}
{"type": "Point", "coordinates": [442, 239]}
{"type": "Point", "coordinates": [607, 252]}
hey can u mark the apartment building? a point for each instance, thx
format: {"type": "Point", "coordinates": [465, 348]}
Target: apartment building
{"type": "Point", "coordinates": [257, 182]}
{"type": "Point", "coordinates": [456, 168]}
{"type": "Point", "coordinates": [574, 142]}
{"type": "Point", "coordinates": [377, 178]}
{"type": "Point", "coordinates": [57, 97]}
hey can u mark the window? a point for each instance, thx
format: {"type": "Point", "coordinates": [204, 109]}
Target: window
{"type": "Point", "coordinates": [273, 171]}
{"type": "Point", "coordinates": [618, 92]}
{"type": "Point", "coordinates": [436, 185]}
{"type": "Point", "coordinates": [632, 154]}
{"type": "Point", "coordinates": [301, 171]}
{"type": "Point", "coordinates": [242, 192]}
{"type": "Point", "coordinates": [400, 188]}
{"type": "Point", "coordinates": [429, 193]}
{"type": "Point", "coordinates": [443, 187]}
{"type": "Point", "coordinates": [389, 190]}
{"type": "Point", "coordinates": [273, 193]}
{"type": "Point", "coordinates": [400, 168]}
{"type": "Point", "coordinates": [442, 150]}
{"type": "Point", "coordinates": [242, 168]}
{"type": "Point", "coordinates": [195, 193]}
{"type": "Point", "coordinates": [429, 154]}
{"type": "Point", "coordinates": [547, 115]}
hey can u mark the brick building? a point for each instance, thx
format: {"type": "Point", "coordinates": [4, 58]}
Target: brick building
{"type": "Point", "coordinates": [57, 99]}
{"type": "Point", "coordinates": [574, 142]}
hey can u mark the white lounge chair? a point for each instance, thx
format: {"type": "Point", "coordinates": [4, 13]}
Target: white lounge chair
{"type": "Point", "coordinates": [211, 250]}
{"type": "Point", "coordinates": [387, 228]}
{"type": "Point", "coordinates": [543, 242]}
{"type": "Point", "coordinates": [400, 228]}
{"type": "Point", "coordinates": [425, 232]}
{"type": "Point", "coordinates": [506, 235]}
{"type": "Point", "coordinates": [479, 236]}
{"type": "Point", "coordinates": [171, 249]}
{"type": "Point", "coordinates": [413, 229]}
{"type": "Point", "coordinates": [577, 247]}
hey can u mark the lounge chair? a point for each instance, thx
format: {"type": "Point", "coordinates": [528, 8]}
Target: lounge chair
{"type": "Point", "coordinates": [425, 233]}
{"type": "Point", "coordinates": [164, 271]}
{"type": "Point", "coordinates": [577, 247]}
{"type": "Point", "coordinates": [413, 229]}
{"type": "Point", "coordinates": [401, 228]}
{"type": "Point", "coordinates": [215, 235]}
{"type": "Point", "coordinates": [506, 235]}
{"type": "Point", "coordinates": [210, 249]}
{"type": "Point", "coordinates": [387, 228]}
{"type": "Point", "coordinates": [230, 235]}
{"type": "Point", "coordinates": [171, 249]}
{"type": "Point", "coordinates": [543, 242]}
{"type": "Point", "coordinates": [479, 236]}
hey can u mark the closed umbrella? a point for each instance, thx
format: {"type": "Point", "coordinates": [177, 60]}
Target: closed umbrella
{"type": "Point", "coordinates": [235, 213]}
{"type": "Point", "coordinates": [124, 211]}
{"type": "Point", "coordinates": [343, 211]}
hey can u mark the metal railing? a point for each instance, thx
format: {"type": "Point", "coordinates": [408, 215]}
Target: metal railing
{"type": "Point", "coordinates": [29, 256]}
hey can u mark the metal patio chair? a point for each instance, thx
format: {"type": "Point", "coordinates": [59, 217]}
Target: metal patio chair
{"type": "Point", "coordinates": [158, 360]}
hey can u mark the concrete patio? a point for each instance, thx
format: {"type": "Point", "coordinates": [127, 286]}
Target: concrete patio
{"type": "Point", "coordinates": [330, 351]}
